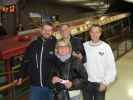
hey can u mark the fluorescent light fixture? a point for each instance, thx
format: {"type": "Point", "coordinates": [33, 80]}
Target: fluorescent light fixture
{"type": "Point", "coordinates": [93, 4]}
{"type": "Point", "coordinates": [72, 0]}
{"type": "Point", "coordinates": [32, 14]}
{"type": "Point", "coordinates": [130, 1]}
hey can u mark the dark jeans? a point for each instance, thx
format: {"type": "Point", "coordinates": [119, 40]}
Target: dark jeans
{"type": "Point", "coordinates": [39, 93]}
{"type": "Point", "coordinates": [61, 92]}
{"type": "Point", "coordinates": [91, 92]}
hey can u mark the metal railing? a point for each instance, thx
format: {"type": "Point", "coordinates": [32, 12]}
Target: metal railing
{"type": "Point", "coordinates": [9, 90]}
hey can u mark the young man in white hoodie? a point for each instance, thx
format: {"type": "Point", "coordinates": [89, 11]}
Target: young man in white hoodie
{"type": "Point", "coordinates": [100, 65]}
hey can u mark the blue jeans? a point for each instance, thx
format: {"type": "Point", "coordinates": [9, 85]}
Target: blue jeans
{"type": "Point", "coordinates": [39, 93]}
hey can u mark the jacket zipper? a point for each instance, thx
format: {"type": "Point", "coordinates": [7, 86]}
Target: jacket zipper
{"type": "Point", "coordinates": [41, 65]}
{"type": "Point", "coordinates": [36, 61]}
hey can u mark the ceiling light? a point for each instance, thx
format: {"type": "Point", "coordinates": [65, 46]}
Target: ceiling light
{"type": "Point", "coordinates": [72, 0]}
{"type": "Point", "coordinates": [93, 3]}
{"type": "Point", "coordinates": [130, 1]}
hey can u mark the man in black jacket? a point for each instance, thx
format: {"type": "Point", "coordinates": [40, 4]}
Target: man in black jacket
{"type": "Point", "coordinates": [37, 64]}
{"type": "Point", "coordinates": [77, 46]}
{"type": "Point", "coordinates": [68, 72]}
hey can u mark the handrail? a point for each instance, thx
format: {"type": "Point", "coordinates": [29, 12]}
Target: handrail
{"type": "Point", "coordinates": [12, 84]}
{"type": "Point", "coordinates": [6, 73]}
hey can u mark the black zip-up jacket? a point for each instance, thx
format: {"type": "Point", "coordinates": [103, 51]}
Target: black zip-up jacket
{"type": "Point", "coordinates": [72, 70]}
{"type": "Point", "coordinates": [38, 61]}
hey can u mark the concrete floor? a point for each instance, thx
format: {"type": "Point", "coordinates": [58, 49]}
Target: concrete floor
{"type": "Point", "coordinates": [122, 88]}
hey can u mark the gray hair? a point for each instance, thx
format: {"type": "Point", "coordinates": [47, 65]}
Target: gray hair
{"type": "Point", "coordinates": [63, 42]}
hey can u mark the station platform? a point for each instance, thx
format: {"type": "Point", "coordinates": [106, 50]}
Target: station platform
{"type": "Point", "coordinates": [122, 88]}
